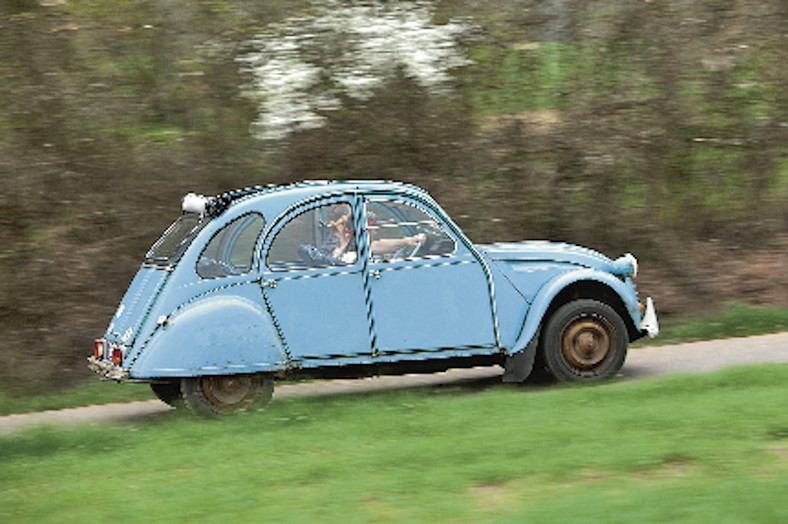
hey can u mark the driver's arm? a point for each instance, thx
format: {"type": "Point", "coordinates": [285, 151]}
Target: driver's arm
{"type": "Point", "coordinates": [390, 245]}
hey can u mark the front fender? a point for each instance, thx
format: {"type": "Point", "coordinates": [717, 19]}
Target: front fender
{"type": "Point", "coordinates": [548, 292]}
{"type": "Point", "coordinates": [214, 335]}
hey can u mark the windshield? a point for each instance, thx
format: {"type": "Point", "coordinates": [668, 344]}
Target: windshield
{"type": "Point", "coordinates": [172, 244]}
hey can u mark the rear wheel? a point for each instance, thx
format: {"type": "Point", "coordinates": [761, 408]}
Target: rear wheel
{"type": "Point", "coordinates": [168, 392]}
{"type": "Point", "coordinates": [585, 341]}
{"type": "Point", "coordinates": [226, 394]}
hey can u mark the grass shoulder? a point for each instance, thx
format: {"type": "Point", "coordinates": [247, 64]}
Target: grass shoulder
{"type": "Point", "coordinates": [737, 319]}
{"type": "Point", "coordinates": [680, 448]}
{"type": "Point", "coordinates": [92, 392]}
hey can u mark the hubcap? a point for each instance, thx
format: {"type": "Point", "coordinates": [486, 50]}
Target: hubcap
{"type": "Point", "coordinates": [227, 390]}
{"type": "Point", "coordinates": [585, 344]}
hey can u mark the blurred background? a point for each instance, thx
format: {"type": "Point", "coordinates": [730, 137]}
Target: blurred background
{"type": "Point", "coordinates": [658, 127]}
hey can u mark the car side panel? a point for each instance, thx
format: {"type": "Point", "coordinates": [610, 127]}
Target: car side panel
{"type": "Point", "coordinates": [431, 305]}
{"type": "Point", "coordinates": [511, 307]}
{"type": "Point", "coordinates": [529, 278]}
{"type": "Point", "coordinates": [224, 331]}
{"type": "Point", "coordinates": [321, 314]}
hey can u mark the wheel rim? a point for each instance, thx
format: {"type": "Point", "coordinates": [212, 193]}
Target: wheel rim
{"type": "Point", "coordinates": [585, 344]}
{"type": "Point", "coordinates": [227, 392]}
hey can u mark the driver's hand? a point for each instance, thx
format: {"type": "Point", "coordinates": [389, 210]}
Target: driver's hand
{"type": "Point", "coordinates": [415, 240]}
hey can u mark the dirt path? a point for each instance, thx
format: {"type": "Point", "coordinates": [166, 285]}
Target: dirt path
{"type": "Point", "coordinates": [697, 357]}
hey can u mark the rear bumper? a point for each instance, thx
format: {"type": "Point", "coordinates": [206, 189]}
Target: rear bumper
{"type": "Point", "coordinates": [649, 325]}
{"type": "Point", "coordinates": [107, 370]}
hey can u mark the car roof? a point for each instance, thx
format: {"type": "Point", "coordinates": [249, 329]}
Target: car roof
{"type": "Point", "coordinates": [275, 199]}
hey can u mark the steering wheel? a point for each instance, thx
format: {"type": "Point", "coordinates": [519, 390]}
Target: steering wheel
{"type": "Point", "coordinates": [416, 249]}
{"type": "Point", "coordinates": [406, 251]}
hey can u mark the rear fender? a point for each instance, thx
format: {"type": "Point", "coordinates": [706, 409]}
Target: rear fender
{"type": "Point", "coordinates": [213, 335]}
{"type": "Point", "coordinates": [547, 294]}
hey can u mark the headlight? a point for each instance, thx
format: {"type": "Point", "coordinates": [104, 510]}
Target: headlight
{"type": "Point", "coordinates": [626, 266]}
{"type": "Point", "coordinates": [634, 264]}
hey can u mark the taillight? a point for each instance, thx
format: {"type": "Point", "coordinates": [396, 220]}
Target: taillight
{"type": "Point", "coordinates": [98, 348]}
{"type": "Point", "coordinates": [117, 356]}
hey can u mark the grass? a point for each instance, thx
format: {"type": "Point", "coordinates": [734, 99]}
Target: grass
{"type": "Point", "coordinates": [680, 449]}
{"type": "Point", "coordinates": [93, 392]}
{"type": "Point", "coordinates": [736, 320]}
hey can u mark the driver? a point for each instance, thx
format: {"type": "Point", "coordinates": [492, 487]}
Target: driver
{"type": "Point", "coordinates": [386, 246]}
{"type": "Point", "coordinates": [340, 249]}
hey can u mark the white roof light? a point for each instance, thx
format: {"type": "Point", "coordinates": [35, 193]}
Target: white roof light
{"type": "Point", "coordinates": [193, 203]}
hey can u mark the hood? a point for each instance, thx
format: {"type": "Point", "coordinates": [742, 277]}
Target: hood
{"type": "Point", "coordinates": [542, 251]}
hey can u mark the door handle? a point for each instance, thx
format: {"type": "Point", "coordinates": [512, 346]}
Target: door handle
{"type": "Point", "coordinates": [375, 274]}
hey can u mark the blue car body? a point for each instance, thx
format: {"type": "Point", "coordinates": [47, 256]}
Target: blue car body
{"type": "Point", "coordinates": [233, 288]}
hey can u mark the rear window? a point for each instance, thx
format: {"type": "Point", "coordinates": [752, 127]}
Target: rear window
{"type": "Point", "coordinates": [173, 243]}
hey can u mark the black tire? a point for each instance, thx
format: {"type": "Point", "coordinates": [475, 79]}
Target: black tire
{"type": "Point", "coordinates": [211, 395]}
{"type": "Point", "coordinates": [168, 392]}
{"type": "Point", "coordinates": [585, 341]}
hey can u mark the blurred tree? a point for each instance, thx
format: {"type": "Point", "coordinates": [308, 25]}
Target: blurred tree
{"type": "Point", "coordinates": [655, 127]}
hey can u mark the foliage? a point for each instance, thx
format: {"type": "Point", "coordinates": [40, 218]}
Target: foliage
{"type": "Point", "coordinates": [644, 127]}
{"type": "Point", "coordinates": [680, 449]}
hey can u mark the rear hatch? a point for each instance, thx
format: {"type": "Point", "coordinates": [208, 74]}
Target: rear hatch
{"type": "Point", "coordinates": [136, 305]}
{"type": "Point", "coordinates": [149, 282]}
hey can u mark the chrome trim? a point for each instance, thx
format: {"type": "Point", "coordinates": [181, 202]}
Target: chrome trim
{"type": "Point", "coordinates": [107, 370]}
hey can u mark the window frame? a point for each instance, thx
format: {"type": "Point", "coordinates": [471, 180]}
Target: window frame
{"type": "Point", "coordinates": [233, 242]}
{"type": "Point", "coordinates": [294, 213]}
{"type": "Point", "coordinates": [435, 220]}
{"type": "Point", "coordinates": [175, 255]}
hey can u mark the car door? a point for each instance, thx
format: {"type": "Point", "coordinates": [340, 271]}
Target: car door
{"type": "Point", "coordinates": [429, 292]}
{"type": "Point", "coordinates": [315, 295]}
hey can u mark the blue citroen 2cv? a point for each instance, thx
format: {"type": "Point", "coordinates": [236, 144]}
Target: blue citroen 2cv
{"type": "Point", "coordinates": [349, 279]}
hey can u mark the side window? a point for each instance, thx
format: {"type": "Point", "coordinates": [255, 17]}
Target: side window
{"type": "Point", "coordinates": [230, 251]}
{"type": "Point", "coordinates": [320, 237]}
{"type": "Point", "coordinates": [399, 230]}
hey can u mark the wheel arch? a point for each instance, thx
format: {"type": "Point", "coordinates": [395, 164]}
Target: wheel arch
{"type": "Point", "coordinates": [585, 284]}
{"type": "Point", "coordinates": [594, 290]}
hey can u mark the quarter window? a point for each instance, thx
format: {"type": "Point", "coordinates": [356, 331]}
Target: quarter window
{"type": "Point", "coordinates": [231, 250]}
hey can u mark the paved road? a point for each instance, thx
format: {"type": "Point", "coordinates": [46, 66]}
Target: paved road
{"type": "Point", "coordinates": [696, 357]}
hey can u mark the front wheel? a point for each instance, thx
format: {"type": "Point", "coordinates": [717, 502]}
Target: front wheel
{"type": "Point", "coordinates": [585, 341]}
{"type": "Point", "coordinates": [226, 394]}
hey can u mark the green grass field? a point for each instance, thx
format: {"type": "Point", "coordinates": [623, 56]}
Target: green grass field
{"type": "Point", "coordinates": [706, 448]}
